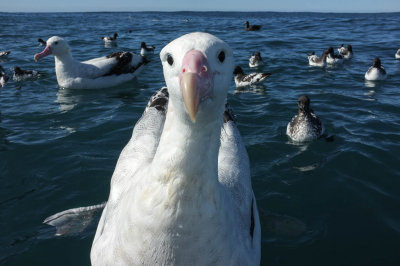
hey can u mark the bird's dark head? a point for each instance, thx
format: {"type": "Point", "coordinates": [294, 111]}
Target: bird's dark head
{"type": "Point", "coordinates": [238, 70]}
{"type": "Point", "coordinates": [350, 48]}
{"type": "Point", "coordinates": [17, 70]}
{"type": "Point", "coordinates": [304, 103]}
{"type": "Point", "coordinates": [377, 62]}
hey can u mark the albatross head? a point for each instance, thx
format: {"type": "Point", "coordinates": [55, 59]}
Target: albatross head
{"type": "Point", "coordinates": [56, 46]}
{"type": "Point", "coordinates": [198, 72]}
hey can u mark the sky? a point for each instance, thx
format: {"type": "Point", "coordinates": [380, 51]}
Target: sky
{"type": "Point", "coordinates": [201, 5]}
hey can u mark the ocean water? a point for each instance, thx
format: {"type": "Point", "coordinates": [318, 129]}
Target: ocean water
{"type": "Point", "coordinates": [321, 203]}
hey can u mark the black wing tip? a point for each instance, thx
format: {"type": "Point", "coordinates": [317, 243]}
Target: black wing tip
{"type": "Point", "coordinates": [228, 114]}
{"type": "Point", "coordinates": [159, 100]}
{"type": "Point", "coordinates": [252, 223]}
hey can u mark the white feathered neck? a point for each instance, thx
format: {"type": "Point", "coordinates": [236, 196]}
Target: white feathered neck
{"type": "Point", "coordinates": [188, 154]}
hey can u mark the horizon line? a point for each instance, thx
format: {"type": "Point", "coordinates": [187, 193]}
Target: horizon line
{"type": "Point", "coordinates": [205, 11]}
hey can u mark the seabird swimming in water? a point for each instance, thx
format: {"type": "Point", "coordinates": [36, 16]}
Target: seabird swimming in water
{"type": "Point", "coordinates": [110, 40]}
{"type": "Point", "coordinates": [20, 74]}
{"type": "Point", "coordinates": [255, 60]}
{"type": "Point", "coordinates": [376, 71]}
{"type": "Point", "coordinates": [249, 27]}
{"type": "Point", "coordinates": [252, 79]}
{"type": "Point", "coordinates": [102, 72]}
{"type": "Point", "coordinates": [4, 55]}
{"type": "Point", "coordinates": [397, 55]}
{"type": "Point", "coordinates": [181, 191]}
{"type": "Point", "coordinates": [144, 49]}
{"type": "Point", "coordinates": [347, 52]}
{"type": "Point", "coordinates": [41, 42]}
{"type": "Point", "coordinates": [305, 126]}
{"type": "Point", "coordinates": [314, 60]}
{"type": "Point", "coordinates": [333, 58]}
{"type": "Point", "coordinates": [3, 77]}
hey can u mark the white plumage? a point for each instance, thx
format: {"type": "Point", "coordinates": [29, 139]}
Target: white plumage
{"type": "Point", "coordinates": [347, 52]}
{"type": "Point", "coordinates": [3, 77]}
{"type": "Point", "coordinates": [376, 71]}
{"type": "Point", "coordinates": [397, 55]}
{"type": "Point", "coordinates": [255, 60]}
{"type": "Point", "coordinates": [332, 58]}
{"type": "Point", "coordinates": [20, 74]}
{"type": "Point", "coordinates": [145, 50]}
{"type": "Point", "coordinates": [4, 54]}
{"type": "Point", "coordinates": [314, 60]}
{"type": "Point", "coordinates": [110, 40]}
{"type": "Point", "coordinates": [181, 191]}
{"type": "Point", "coordinates": [102, 72]}
{"type": "Point", "coordinates": [248, 80]}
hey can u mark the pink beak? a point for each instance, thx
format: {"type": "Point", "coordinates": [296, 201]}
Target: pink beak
{"type": "Point", "coordinates": [44, 53]}
{"type": "Point", "coordinates": [196, 81]}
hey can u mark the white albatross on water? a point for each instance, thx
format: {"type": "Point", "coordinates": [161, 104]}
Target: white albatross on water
{"type": "Point", "coordinates": [181, 191]}
{"type": "Point", "coordinates": [102, 72]}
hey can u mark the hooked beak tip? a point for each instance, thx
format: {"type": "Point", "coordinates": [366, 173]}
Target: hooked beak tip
{"type": "Point", "coordinates": [190, 93]}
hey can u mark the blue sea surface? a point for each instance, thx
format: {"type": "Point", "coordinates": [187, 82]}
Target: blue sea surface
{"type": "Point", "coordinates": [321, 203]}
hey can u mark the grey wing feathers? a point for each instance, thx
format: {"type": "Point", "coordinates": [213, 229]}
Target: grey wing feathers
{"type": "Point", "coordinates": [234, 171]}
{"type": "Point", "coordinates": [145, 137]}
{"type": "Point", "coordinates": [140, 149]}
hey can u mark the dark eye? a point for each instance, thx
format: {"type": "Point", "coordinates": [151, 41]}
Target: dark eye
{"type": "Point", "coordinates": [170, 60]}
{"type": "Point", "coordinates": [56, 43]}
{"type": "Point", "coordinates": [221, 56]}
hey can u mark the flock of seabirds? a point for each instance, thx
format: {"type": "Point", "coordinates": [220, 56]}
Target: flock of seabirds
{"type": "Point", "coordinates": [182, 183]}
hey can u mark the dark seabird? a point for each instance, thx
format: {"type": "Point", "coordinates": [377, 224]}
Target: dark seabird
{"type": "Point", "coordinates": [20, 74]}
{"type": "Point", "coordinates": [305, 126]}
{"type": "Point", "coordinates": [41, 42]}
{"type": "Point", "coordinates": [252, 27]}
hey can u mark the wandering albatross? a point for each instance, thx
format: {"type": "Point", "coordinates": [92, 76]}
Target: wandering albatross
{"type": "Point", "coordinates": [181, 191]}
{"type": "Point", "coordinates": [102, 72]}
